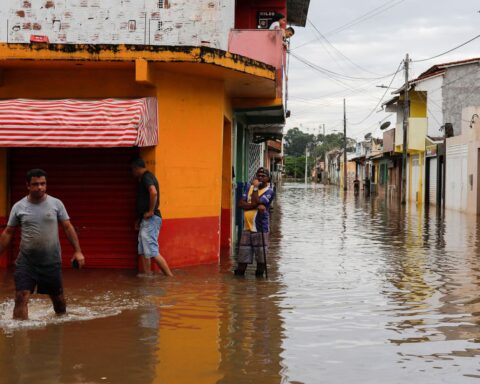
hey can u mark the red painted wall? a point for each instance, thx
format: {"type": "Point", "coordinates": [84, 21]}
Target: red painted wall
{"type": "Point", "coordinates": [226, 228]}
{"type": "Point", "coordinates": [246, 11]}
{"type": "Point", "coordinates": [192, 241]}
{"type": "Point", "coordinates": [6, 256]}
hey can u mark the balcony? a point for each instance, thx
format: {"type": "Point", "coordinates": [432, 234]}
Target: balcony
{"type": "Point", "coordinates": [389, 141]}
{"type": "Point", "coordinates": [263, 45]}
{"type": "Point", "coordinates": [417, 131]}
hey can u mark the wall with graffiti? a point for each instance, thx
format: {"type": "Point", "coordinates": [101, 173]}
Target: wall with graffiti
{"type": "Point", "coordinates": [144, 22]}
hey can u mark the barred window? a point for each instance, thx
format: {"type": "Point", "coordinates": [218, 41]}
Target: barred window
{"type": "Point", "coordinates": [161, 3]}
{"type": "Point", "coordinates": [159, 25]}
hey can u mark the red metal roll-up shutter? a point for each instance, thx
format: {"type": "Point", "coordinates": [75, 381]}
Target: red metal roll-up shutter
{"type": "Point", "coordinates": [98, 191]}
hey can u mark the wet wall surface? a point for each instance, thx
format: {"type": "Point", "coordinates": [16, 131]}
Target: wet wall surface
{"type": "Point", "coordinates": [358, 291]}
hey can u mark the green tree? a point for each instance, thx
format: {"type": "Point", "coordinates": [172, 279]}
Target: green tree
{"type": "Point", "coordinates": [296, 142]}
{"type": "Point", "coordinates": [295, 166]}
{"type": "Point", "coordinates": [332, 141]}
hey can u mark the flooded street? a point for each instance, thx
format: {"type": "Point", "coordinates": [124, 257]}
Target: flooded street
{"type": "Point", "coordinates": [358, 293]}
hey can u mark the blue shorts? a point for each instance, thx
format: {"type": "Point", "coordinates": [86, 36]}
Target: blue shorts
{"type": "Point", "coordinates": [148, 236]}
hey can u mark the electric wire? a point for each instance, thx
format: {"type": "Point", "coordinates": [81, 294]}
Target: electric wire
{"type": "Point", "coordinates": [450, 50]}
{"type": "Point", "coordinates": [336, 74]}
{"type": "Point", "coordinates": [354, 21]}
{"type": "Point", "coordinates": [381, 99]}
{"type": "Point", "coordinates": [366, 16]}
{"type": "Point", "coordinates": [340, 53]}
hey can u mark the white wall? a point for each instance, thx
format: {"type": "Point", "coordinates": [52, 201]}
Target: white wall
{"type": "Point", "coordinates": [181, 22]}
{"type": "Point", "coordinates": [433, 87]}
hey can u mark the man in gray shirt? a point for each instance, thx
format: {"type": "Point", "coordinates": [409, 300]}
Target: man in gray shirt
{"type": "Point", "coordinates": [39, 262]}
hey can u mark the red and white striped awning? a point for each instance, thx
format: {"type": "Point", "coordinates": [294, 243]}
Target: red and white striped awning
{"type": "Point", "coordinates": [78, 123]}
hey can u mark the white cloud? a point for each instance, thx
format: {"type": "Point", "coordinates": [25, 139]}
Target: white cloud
{"type": "Point", "coordinates": [421, 28]}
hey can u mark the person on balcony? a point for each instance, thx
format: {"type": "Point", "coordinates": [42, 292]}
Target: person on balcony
{"type": "Point", "coordinates": [278, 22]}
{"type": "Point", "coordinates": [289, 32]}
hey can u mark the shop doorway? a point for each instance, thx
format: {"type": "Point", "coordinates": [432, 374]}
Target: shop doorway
{"type": "Point", "coordinates": [98, 191]}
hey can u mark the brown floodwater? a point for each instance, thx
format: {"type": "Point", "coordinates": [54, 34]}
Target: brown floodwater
{"type": "Point", "coordinates": [358, 293]}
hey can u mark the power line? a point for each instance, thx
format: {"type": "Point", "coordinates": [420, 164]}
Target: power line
{"type": "Point", "coordinates": [340, 53]}
{"type": "Point", "coordinates": [366, 16]}
{"type": "Point", "coordinates": [336, 74]}
{"type": "Point", "coordinates": [450, 50]}
{"type": "Point", "coordinates": [364, 130]}
{"type": "Point", "coordinates": [381, 99]}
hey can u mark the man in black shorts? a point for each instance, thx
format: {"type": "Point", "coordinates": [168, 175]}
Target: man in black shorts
{"type": "Point", "coordinates": [39, 262]}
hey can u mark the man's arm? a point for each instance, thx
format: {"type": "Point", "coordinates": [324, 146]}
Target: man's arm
{"type": "Point", "coordinates": [153, 201]}
{"type": "Point", "coordinates": [6, 238]}
{"type": "Point", "coordinates": [254, 201]}
{"type": "Point", "coordinates": [73, 239]}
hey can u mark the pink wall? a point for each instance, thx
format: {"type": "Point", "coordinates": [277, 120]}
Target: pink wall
{"type": "Point", "coordinates": [258, 44]}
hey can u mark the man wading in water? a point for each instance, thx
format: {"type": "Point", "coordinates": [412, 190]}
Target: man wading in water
{"type": "Point", "coordinates": [255, 203]}
{"type": "Point", "coordinates": [149, 219]}
{"type": "Point", "coordinates": [39, 263]}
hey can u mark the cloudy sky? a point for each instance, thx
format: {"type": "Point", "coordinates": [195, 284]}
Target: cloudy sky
{"type": "Point", "coordinates": [367, 40]}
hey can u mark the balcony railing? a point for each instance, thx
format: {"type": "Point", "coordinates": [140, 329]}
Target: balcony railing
{"type": "Point", "coordinates": [263, 45]}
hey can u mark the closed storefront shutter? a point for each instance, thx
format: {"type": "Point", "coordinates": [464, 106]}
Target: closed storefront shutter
{"type": "Point", "coordinates": [98, 191]}
{"type": "Point", "coordinates": [456, 177]}
{"type": "Point", "coordinates": [432, 190]}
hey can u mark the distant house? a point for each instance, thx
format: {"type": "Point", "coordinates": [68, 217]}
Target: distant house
{"type": "Point", "coordinates": [450, 88]}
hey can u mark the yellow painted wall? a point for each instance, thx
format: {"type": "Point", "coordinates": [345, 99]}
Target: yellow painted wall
{"type": "Point", "coordinates": [418, 104]}
{"type": "Point", "coordinates": [227, 166]}
{"type": "Point", "coordinates": [188, 158]}
{"type": "Point", "coordinates": [72, 82]}
{"type": "Point", "coordinates": [189, 153]}
{"type": "Point", "coordinates": [417, 131]}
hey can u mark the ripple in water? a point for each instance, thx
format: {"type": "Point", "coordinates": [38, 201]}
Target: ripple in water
{"type": "Point", "coordinates": [41, 314]}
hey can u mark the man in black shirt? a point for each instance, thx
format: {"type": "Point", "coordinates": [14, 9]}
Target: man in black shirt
{"type": "Point", "coordinates": [149, 219]}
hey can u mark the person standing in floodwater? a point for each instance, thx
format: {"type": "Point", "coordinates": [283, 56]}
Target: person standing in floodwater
{"type": "Point", "coordinates": [149, 219]}
{"type": "Point", "coordinates": [255, 203]}
{"type": "Point", "coordinates": [39, 262]}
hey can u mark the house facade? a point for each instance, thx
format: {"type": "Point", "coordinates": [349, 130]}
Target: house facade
{"type": "Point", "coordinates": [195, 98]}
{"type": "Point", "coordinates": [417, 130]}
{"type": "Point", "coordinates": [449, 89]}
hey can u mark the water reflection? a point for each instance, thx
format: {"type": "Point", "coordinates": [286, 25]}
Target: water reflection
{"type": "Point", "coordinates": [360, 290]}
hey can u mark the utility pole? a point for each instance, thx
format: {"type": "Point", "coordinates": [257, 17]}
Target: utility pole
{"type": "Point", "coordinates": [324, 156]}
{"type": "Point", "coordinates": [344, 146]}
{"type": "Point", "coordinates": [306, 163]}
{"type": "Point", "coordinates": [406, 113]}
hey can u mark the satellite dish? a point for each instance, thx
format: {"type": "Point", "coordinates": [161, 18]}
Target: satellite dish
{"type": "Point", "coordinates": [368, 136]}
{"type": "Point", "coordinates": [385, 125]}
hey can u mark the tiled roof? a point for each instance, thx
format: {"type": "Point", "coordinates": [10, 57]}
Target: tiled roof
{"type": "Point", "coordinates": [441, 68]}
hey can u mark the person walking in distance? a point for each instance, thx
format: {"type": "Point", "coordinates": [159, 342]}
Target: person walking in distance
{"type": "Point", "coordinates": [255, 203]}
{"type": "Point", "coordinates": [149, 219]}
{"type": "Point", "coordinates": [39, 262]}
